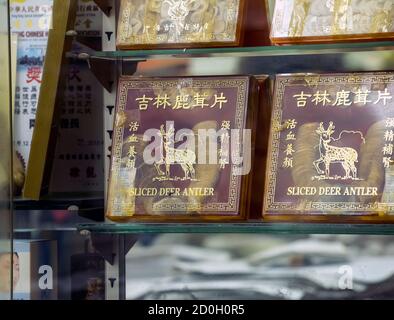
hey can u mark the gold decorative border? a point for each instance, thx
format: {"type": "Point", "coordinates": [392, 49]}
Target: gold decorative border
{"type": "Point", "coordinates": [283, 81]}
{"type": "Point", "coordinates": [242, 87]}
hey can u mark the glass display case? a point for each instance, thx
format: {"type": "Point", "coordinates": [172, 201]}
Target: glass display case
{"type": "Point", "coordinates": [76, 130]}
{"type": "Point", "coordinates": [8, 265]}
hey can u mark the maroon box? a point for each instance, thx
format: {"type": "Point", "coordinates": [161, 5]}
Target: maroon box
{"type": "Point", "coordinates": [331, 148]}
{"type": "Point", "coordinates": [166, 175]}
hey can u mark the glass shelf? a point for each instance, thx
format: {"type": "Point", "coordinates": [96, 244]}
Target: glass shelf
{"type": "Point", "coordinates": [72, 202]}
{"type": "Point", "coordinates": [246, 227]}
{"type": "Point", "coordinates": [46, 220]}
{"type": "Point", "coordinates": [248, 51]}
{"type": "Point", "coordinates": [61, 212]}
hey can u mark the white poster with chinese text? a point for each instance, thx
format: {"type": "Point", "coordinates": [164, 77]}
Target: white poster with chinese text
{"type": "Point", "coordinates": [30, 22]}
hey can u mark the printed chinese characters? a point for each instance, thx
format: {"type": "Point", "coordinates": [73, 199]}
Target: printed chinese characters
{"type": "Point", "coordinates": [185, 102]}
{"type": "Point", "coordinates": [388, 147]}
{"type": "Point", "coordinates": [131, 153]}
{"type": "Point", "coordinates": [289, 151]}
{"type": "Point", "coordinates": [346, 98]}
{"type": "Point", "coordinates": [224, 144]}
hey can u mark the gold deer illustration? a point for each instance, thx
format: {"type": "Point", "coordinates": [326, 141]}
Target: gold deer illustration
{"type": "Point", "coordinates": [346, 156]}
{"type": "Point", "coordinates": [186, 158]}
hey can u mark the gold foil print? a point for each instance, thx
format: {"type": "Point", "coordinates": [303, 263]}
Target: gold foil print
{"type": "Point", "coordinates": [323, 18]}
{"type": "Point", "coordinates": [152, 22]}
{"type": "Point", "coordinates": [300, 12]}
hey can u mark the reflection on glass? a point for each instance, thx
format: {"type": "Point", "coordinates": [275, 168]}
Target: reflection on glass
{"type": "Point", "coordinates": [260, 267]}
{"type": "Point", "coordinates": [6, 261]}
{"type": "Point", "coordinates": [252, 266]}
{"type": "Point", "coordinates": [5, 244]}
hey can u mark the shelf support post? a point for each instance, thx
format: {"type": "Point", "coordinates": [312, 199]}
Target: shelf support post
{"type": "Point", "coordinates": [114, 248]}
